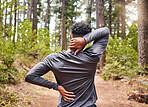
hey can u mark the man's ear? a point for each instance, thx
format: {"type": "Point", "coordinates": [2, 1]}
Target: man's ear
{"type": "Point", "coordinates": [70, 36]}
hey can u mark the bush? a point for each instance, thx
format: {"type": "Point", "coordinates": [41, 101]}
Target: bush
{"type": "Point", "coordinates": [8, 72]}
{"type": "Point", "coordinates": [8, 75]}
{"type": "Point", "coordinates": [31, 45]}
{"type": "Point", "coordinates": [121, 59]}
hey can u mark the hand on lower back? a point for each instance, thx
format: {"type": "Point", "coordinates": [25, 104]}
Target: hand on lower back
{"type": "Point", "coordinates": [67, 96]}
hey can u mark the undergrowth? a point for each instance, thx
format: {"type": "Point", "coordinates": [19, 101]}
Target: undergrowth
{"type": "Point", "coordinates": [121, 59]}
{"type": "Point", "coordinates": [8, 98]}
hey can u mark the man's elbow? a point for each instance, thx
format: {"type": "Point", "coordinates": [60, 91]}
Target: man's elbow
{"type": "Point", "coordinates": [107, 30]}
{"type": "Point", "coordinates": [28, 78]}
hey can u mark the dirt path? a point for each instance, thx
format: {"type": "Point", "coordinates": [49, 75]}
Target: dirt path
{"type": "Point", "coordinates": [110, 94]}
{"type": "Point", "coordinates": [114, 94]}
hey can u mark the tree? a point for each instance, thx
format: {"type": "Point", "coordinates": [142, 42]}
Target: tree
{"type": "Point", "coordinates": [47, 20]}
{"type": "Point", "coordinates": [118, 15]}
{"type": "Point", "coordinates": [143, 32]}
{"type": "Point", "coordinates": [110, 16]}
{"type": "Point", "coordinates": [11, 13]}
{"type": "Point", "coordinates": [0, 13]}
{"type": "Point", "coordinates": [34, 26]}
{"type": "Point", "coordinates": [123, 11]}
{"type": "Point", "coordinates": [64, 41]}
{"type": "Point", "coordinates": [24, 5]}
{"type": "Point", "coordinates": [70, 15]}
{"type": "Point", "coordinates": [1, 20]}
{"type": "Point", "coordinates": [6, 18]}
{"type": "Point", "coordinates": [100, 22]}
{"type": "Point", "coordinates": [112, 13]}
{"type": "Point", "coordinates": [18, 12]}
{"type": "Point", "coordinates": [30, 10]}
{"type": "Point", "coordinates": [15, 9]}
{"type": "Point", "coordinates": [89, 11]}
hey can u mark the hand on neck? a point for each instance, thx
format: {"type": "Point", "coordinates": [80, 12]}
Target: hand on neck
{"type": "Point", "coordinates": [71, 50]}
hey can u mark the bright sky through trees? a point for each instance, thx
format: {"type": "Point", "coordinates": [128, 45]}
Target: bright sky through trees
{"type": "Point", "coordinates": [131, 14]}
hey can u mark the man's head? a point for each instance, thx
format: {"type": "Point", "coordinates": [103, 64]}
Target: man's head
{"type": "Point", "coordinates": [80, 29]}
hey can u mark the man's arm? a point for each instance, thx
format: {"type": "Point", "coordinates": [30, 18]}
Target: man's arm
{"type": "Point", "coordinates": [99, 36]}
{"type": "Point", "coordinates": [96, 35]}
{"type": "Point", "coordinates": [34, 77]}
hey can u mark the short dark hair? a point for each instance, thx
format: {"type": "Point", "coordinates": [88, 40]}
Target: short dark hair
{"type": "Point", "coordinates": [80, 29]}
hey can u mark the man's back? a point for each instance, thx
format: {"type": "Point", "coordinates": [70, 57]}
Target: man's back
{"type": "Point", "coordinates": [74, 73]}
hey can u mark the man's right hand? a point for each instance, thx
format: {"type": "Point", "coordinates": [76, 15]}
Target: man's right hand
{"type": "Point", "coordinates": [77, 43]}
{"type": "Point", "coordinates": [67, 96]}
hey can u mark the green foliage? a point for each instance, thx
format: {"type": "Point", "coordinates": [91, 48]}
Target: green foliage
{"type": "Point", "coordinates": [31, 46]}
{"type": "Point", "coordinates": [71, 13]}
{"type": "Point", "coordinates": [8, 98]}
{"type": "Point", "coordinates": [8, 72]}
{"type": "Point", "coordinates": [26, 39]}
{"type": "Point", "coordinates": [133, 35]}
{"type": "Point", "coordinates": [30, 43]}
{"type": "Point", "coordinates": [121, 59]}
{"type": "Point", "coordinates": [8, 75]}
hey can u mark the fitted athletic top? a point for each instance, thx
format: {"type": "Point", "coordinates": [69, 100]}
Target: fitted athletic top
{"type": "Point", "coordinates": [74, 72]}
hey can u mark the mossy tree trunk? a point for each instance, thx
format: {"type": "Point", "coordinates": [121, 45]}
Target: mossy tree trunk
{"type": "Point", "coordinates": [143, 33]}
{"type": "Point", "coordinates": [100, 22]}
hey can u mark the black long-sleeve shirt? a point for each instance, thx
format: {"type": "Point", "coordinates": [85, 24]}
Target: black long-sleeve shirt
{"type": "Point", "coordinates": [74, 72]}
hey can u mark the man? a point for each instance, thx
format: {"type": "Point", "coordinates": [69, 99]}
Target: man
{"type": "Point", "coordinates": [74, 70]}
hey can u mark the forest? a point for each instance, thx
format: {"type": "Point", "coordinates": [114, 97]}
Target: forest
{"type": "Point", "coordinates": [32, 29]}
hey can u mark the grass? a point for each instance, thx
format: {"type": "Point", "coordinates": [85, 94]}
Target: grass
{"type": "Point", "coordinates": [8, 98]}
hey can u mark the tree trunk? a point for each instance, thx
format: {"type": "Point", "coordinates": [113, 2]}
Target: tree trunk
{"type": "Point", "coordinates": [71, 22]}
{"type": "Point", "coordinates": [63, 46]}
{"type": "Point", "coordinates": [123, 11]}
{"type": "Point", "coordinates": [47, 14]}
{"type": "Point", "coordinates": [11, 14]}
{"type": "Point", "coordinates": [24, 4]}
{"type": "Point", "coordinates": [90, 3]}
{"type": "Point", "coordinates": [118, 15]}
{"type": "Point", "coordinates": [143, 33]}
{"type": "Point", "coordinates": [110, 16]}
{"type": "Point", "coordinates": [57, 29]}
{"type": "Point", "coordinates": [15, 9]}
{"type": "Point", "coordinates": [1, 33]}
{"type": "Point", "coordinates": [30, 10]}
{"type": "Point", "coordinates": [0, 13]}
{"type": "Point", "coordinates": [118, 26]}
{"type": "Point", "coordinates": [115, 29]}
{"type": "Point", "coordinates": [5, 33]}
{"type": "Point", "coordinates": [100, 22]}
{"type": "Point", "coordinates": [18, 12]}
{"type": "Point", "coordinates": [34, 26]}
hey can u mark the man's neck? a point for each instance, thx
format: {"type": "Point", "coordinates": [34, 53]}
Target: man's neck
{"type": "Point", "coordinates": [71, 50]}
